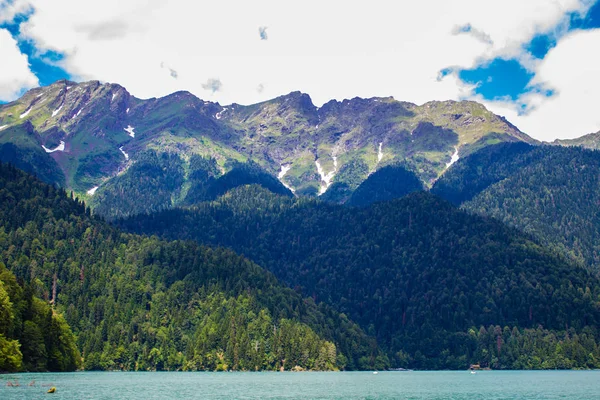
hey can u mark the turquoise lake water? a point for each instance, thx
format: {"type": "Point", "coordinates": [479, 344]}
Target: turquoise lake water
{"type": "Point", "coordinates": [489, 385]}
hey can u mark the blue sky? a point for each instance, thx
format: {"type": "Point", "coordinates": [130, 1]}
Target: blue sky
{"type": "Point", "coordinates": [502, 78]}
{"type": "Point", "coordinates": [524, 60]}
{"type": "Point", "coordinates": [42, 63]}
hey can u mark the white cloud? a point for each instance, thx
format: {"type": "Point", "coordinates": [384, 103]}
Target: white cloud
{"type": "Point", "coordinates": [8, 10]}
{"type": "Point", "coordinates": [334, 49]}
{"type": "Point", "coordinates": [571, 69]}
{"type": "Point", "coordinates": [15, 75]}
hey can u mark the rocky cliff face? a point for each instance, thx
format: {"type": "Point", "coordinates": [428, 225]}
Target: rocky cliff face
{"type": "Point", "coordinates": [94, 131]}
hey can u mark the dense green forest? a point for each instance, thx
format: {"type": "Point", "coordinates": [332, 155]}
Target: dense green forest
{"type": "Point", "coordinates": [535, 348]}
{"type": "Point", "coordinates": [417, 273]}
{"type": "Point", "coordinates": [388, 183]}
{"type": "Point", "coordinates": [148, 185]}
{"type": "Point", "coordinates": [32, 336]}
{"type": "Point", "coordinates": [158, 181]}
{"type": "Point", "coordinates": [471, 175]}
{"type": "Point", "coordinates": [350, 176]}
{"type": "Point", "coordinates": [551, 193]}
{"type": "Point", "coordinates": [139, 303]}
{"type": "Point", "coordinates": [19, 146]}
{"type": "Point", "coordinates": [434, 286]}
{"type": "Point", "coordinates": [213, 186]}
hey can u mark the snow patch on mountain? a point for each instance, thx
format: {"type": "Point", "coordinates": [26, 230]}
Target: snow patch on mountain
{"type": "Point", "coordinates": [321, 172]}
{"type": "Point", "coordinates": [26, 113]}
{"type": "Point", "coordinates": [453, 159]}
{"type": "Point", "coordinates": [379, 153]}
{"type": "Point", "coordinates": [284, 170]}
{"type": "Point", "coordinates": [327, 179]}
{"type": "Point", "coordinates": [220, 113]}
{"type": "Point", "coordinates": [55, 112]}
{"type": "Point", "coordinates": [3, 127]}
{"type": "Point", "coordinates": [130, 131]}
{"type": "Point", "coordinates": [125, 154]}
{"type": "Point", "coordinates": [92, 190]}
{"type": "Point", "coordinates": [60, 147]}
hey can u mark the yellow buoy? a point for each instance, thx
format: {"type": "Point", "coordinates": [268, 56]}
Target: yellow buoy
{"type": "Point", "coordinates": [52, 390]}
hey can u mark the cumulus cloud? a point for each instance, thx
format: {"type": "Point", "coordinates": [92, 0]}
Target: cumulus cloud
{"type": "Point", "coordinates": [384, 57]}
{"type": "Point", "coordinates": [213, 85]}
{"type": "Point", "coordinates": [572, 71]}
{"type": "Point", "coordinates": [16, 75]}
{"type": "Point", "coordinates": [262, 32]}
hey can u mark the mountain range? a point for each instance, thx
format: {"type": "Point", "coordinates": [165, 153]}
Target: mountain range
{"type": "Point", "coordinates": [179, 234]}
{"type": "Point", "coordinates": [589, 141]}
{"type": "Point", "coordinates": [82, 136]}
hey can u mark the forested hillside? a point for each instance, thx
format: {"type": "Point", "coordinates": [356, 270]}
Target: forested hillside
{"type": "Point", "coordinates": [388, 183]}
{"type": "Point", "coordinates": [137, 303]}
{"type": "Point", "coordinates": [549, 192]}
{"type": "Point", "coordinates": [434, 286]}
{"type": "Point", "coordinates": [419, 274]}
{"type": "Point", "coordinates": [156, 182]}
{"type": "Point", "coordinates": [475, 173]}
{"type": "Point", "coordinates": [19, 146]}
{"type": "Point", "coordinates": [32, 335]}
{"type": "Point", "coordinates": [149, 185]}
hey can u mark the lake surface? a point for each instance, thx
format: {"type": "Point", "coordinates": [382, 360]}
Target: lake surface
{"type": "Point", "coordinates": [489, 385]}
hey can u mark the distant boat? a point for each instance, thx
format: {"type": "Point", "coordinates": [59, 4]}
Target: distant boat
{"type": "Point", "coordinates": [375, 373]}
{"type": "Point", "coordinates": [473, 372]}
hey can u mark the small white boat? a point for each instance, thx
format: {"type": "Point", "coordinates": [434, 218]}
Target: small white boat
{"type": "Point", "coordinates": [473, 372]}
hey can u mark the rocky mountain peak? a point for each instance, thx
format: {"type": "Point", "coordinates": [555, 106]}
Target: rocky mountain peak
{"type": "Point", "coordinates": [310, 149]}
{"type": "Point", "coordinates": [296, 101]}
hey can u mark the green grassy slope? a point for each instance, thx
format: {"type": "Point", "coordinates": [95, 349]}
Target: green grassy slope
{"type": "Point", "coordinates": [334, 147]}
